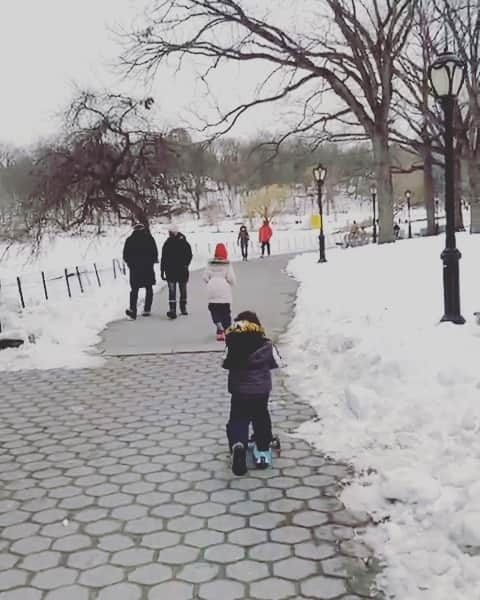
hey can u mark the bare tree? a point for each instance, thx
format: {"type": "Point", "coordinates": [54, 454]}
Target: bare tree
{"type": "Point", "coordinates": [109, 161]}
{"type": "Point", "coordinates": [192, 169]}
{"type": "Point", "coordinates": [16, 184]}
{"type": "Point", "coordinates": [418, 125]}
{"type": "Point", "coordinates": [353, 57]}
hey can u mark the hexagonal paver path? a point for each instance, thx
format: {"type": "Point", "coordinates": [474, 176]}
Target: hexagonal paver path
{"type": "Point", "coordinates": [116, 483]}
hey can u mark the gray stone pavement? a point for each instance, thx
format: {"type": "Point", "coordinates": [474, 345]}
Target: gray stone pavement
{"type": "Point", "coordinates": [115, 483]}
{"type": "Point", "coordinates": [260, 284]}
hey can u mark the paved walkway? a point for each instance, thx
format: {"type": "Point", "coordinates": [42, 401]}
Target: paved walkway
{"type": "Point", "coordinates": [115, 484]}
{"type": "Point", "coordinates": [261, 285]}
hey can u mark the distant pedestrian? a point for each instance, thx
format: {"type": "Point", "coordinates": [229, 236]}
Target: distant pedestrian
{"type": "Point", "coordinates": [396, 230]}
{"type": "Point", "coordinates": [249, 361]}
{"type": "Point", "coordinates": [264, 236]}
{"type": "Point", "coordinates": [220, 277]}
{"type": "Point", "coordinates": [242, 240]}
{"type": "Point", "coordinates": [176, 258]}
{"type": "Point", "coordinates": [140, 253]}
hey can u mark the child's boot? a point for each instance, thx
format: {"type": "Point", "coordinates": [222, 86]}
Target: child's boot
{"type": "Point", "coordinates": [262, 458]}
{"type": "Point", "coordinates": [239, 459]}
{"type": "Point", "coordinates": [220, 333]}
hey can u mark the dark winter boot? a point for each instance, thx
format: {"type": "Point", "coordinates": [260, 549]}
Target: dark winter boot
{"type": "Point", "coordinates": [131, 313]}
{"type": "Point", "coordinates": [239, 459]}
{"type": "Point", "coordinates": [183, 308]}
{"type": "Point", "coordinates": [172, 313]}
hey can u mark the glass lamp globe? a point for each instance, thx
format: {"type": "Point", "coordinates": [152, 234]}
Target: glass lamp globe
{"type": "Point", "coordinates": [446, 75]}
{"type": "Point", "coordinates": [319, 173]}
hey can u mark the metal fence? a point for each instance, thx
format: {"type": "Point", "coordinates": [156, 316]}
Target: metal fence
{"type": "Point", "coordinates": [29, 289]}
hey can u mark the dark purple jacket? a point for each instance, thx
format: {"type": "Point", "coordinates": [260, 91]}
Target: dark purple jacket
{"type": "Point", "coordinates": [252, 377]}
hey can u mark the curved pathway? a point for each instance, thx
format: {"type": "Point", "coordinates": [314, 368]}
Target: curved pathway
{"type": "Point", "coordinates": [115, 482]}
{"type": "Point", "coordinates": [261, 286]}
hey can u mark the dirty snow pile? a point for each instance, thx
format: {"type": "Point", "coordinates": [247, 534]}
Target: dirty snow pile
{"type": "Point", "coordinates": [398, 396]}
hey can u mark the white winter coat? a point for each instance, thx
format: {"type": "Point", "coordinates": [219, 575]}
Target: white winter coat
{"type": "Point", "coordinates": [219, 277]}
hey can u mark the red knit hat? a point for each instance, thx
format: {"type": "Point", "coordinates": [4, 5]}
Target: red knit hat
{"type": "Point", "coordinates": [221, 252]}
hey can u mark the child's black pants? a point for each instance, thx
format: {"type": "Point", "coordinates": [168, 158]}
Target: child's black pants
{"type": "Point", "coordinates": [246, 409]}
{"type": "Point", "coordinates": [220, 314]}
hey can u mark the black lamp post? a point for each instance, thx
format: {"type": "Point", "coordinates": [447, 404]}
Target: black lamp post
{"type": "Point", "coordinates": [446, 76]}
{"type": "Point", "coordinates": [319, 174]}
{"type": "Point", "coordinates": [373, 191]}
{"type": "Point", "coordinates": [408, 195]}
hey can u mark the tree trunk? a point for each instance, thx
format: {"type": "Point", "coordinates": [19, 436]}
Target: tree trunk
{"type": "Point", "coordinates": [428, 188]}
{"type": "Point", "coordinates": [474, 193]}
{"type": "Point", "coordinates": [457, 175]}
{"type": "Point", "coordinates": [383, 175]}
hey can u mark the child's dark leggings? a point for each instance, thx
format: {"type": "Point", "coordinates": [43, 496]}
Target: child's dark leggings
{"type": "Point", "coordinates": [246, 409]}
{"type": "Point", "coordinates": [220, 314]}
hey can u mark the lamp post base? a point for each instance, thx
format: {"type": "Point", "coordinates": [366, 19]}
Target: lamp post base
{"type": "Point", "coordinates": [321, 245]}
{"type": "Point", "coordinates": [451, 286]}
{"type": "Point", "coordinates": [457, 319]}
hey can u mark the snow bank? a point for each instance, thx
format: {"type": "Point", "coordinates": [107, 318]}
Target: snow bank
{"type": "Point", "coordinates": [398, 392]}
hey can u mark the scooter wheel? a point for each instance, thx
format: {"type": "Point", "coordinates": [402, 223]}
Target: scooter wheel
{"type": "Point", "coordinates": [276, 443]}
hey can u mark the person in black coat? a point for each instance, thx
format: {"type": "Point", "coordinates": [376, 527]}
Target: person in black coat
{"type": "Point", "coordinates": [140, 253]}
{"type": "Point", "coordinates": [176, 258]}
{"type": "Point", "coordinates": [243, 239]}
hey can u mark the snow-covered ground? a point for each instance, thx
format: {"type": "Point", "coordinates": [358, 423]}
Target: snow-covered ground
{"type": "Point", "coordinates": [65, 328]}
{"type": "Point", "coordinates": [62, 330]}
{"type": "Point", "coordinates": [397, 395]}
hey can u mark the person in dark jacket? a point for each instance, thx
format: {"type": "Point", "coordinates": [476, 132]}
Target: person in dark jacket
{"type": "Point", "coordinates": [249, 360]}
{"type": "Point", "coordinates": [242, 240]}
{"type": "Point", "coordinates": [140, 253]}
{"type": "Point", "coordinates": [176, 258]}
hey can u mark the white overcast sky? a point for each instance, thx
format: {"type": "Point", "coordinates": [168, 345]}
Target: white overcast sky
{"type": "Point", "coordinates": [50, 46]}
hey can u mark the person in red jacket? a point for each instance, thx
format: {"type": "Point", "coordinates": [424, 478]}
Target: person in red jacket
{"type": "Point", "coordinates": [264, 236]}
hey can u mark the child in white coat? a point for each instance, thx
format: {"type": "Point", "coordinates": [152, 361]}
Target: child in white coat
{"type": "Point", "coordinates": [220, 277]}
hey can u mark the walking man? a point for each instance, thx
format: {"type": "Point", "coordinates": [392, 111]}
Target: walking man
{"type": "Point", "coordinates": [264, 236]}
{"type": "Point", "coordinates": [140, 253]}
{"type": "Point", "coordinates": [176, 258]}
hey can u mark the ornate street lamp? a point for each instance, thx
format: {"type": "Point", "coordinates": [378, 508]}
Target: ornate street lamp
{"type": "Point", "coordinates": [319, 174]}
{"type": "Point", "coordinates": [446, 76]}
{"type": "Point", "coordinates": [408, 195]}
{"type": "Point", "coordinates": [373, 191]}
